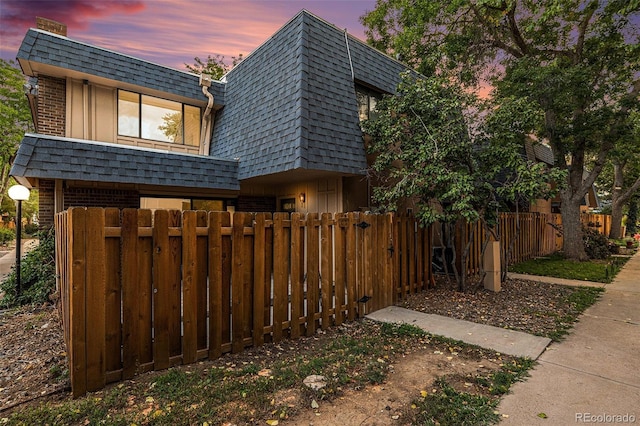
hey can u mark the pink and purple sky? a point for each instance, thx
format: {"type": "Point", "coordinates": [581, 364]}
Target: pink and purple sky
{"type": "Point", "coordinates": [172, 32]}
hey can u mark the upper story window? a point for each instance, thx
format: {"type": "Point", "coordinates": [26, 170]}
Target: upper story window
{"type": "Point", "coordinates": [367, 100]}
{"type": "Point", "coordinates": [148, 117]}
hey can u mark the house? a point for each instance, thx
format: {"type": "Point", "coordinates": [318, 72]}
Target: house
{"type": "Point", "coordinates": [283, 132]}
{"type": "Point", "coordinates": [535, 152]}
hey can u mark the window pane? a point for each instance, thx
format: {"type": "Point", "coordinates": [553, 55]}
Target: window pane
{"type": "Point", "coordinates": [363, 104]}
{"type": "Point", "coordinates": [128, 114]}
{"type": "Point", "coordinates": [191, 125]}
{"type": "Point", "coordinates": [161, 120]}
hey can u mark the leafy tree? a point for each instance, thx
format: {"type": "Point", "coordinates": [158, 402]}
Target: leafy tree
{"type": "Point", "coordinates": [576, 62]}
{"type": "Point", "coordinates": [15, 118]}
{"type": "Point", "coordinates": [623, 176]}
{"type": "Point", "coordinates": [213, 65]}
{"type": "Point", "coordinates": [433, 153]}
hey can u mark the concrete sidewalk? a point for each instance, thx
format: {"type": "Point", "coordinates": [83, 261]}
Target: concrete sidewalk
{"type": "Point", "coordinates": [592, 376]}
{"type": "Point", "coordinates": [9, 259]}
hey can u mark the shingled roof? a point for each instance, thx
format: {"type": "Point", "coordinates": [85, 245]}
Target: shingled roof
{"type": "Point", "coordinates": [291, 104]}
{"type": "Point", "coordinates": [54, 50]}
{"type": "Point", "coordinates": [51, 157]}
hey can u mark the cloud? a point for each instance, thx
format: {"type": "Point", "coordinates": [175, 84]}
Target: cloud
{"type": "Point", "coordinates": [172, 32]}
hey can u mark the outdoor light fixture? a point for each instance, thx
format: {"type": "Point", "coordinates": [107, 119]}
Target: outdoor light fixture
{"type": "Point", "coordinates": [18, 193]}
{"type": "Point", "coordinates": [303, 197]}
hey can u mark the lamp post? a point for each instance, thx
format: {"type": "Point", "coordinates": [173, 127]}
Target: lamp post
{"type": "Point", "coordinates": [18, 193]}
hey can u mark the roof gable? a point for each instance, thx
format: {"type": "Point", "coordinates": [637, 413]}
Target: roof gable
{"type": "Point", "coordinates": [41, 47]}
{"type": "Point", "coordinates": [291, 103]}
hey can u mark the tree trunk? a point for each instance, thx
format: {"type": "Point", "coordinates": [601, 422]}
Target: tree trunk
{"type": "Point", "coordinates": [572, 227]}
{"type": "Point", "coordinates": [619, 199]}
{"type": "Point", "coordinates": [616, 201]}
{"type": "Point", "coordinates": [616, 219]}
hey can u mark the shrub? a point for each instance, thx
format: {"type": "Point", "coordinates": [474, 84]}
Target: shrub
{"type": "Point", "coordinates": [595, 244]}
{"type": "Point", "coordinates": [6, 235]}
{"type": "Point", "coordinates": [31, 228]}
{"type": "Point", "coordinates": [37, 275]}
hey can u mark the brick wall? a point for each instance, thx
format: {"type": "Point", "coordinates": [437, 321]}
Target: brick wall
{"type": "Point", "coordinates": [95, 197]}
{"type": "Point", "coordinates": [256, 204]}
{"type": "Point", "coordinates": [46, 203]}
{"type": "Point", "coordinates": [51, 106]}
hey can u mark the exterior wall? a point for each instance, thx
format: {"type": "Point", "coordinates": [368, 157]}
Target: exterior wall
{"type": "Point", "coordinates": [91, 111]}
{"type": "Point", "coordinates": [99, 197]}
{"type": "Point", "coordinates": [321, 196]}
{"type": "Point", "coordinates": [51, 106]}
{"type": "Point", "coordinates": [46, 206]}
{"type": "Point", "coordinates": [540, 206]}
{"type": "Point", "coordinates": [256, 204]}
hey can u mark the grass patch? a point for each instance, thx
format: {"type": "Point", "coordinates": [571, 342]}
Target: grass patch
{"type": "Point", "coordinates": [446, 405]}
{"type": "Point", "coordinates": [578, 301]}
{"type": "Point", "coordinates": [247, 393]}
{"type": "Point", "coordinates": [602, 271]}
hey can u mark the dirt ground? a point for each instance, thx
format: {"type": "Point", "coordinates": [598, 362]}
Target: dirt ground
{"type": "Point", "coordinates": [33, 365]}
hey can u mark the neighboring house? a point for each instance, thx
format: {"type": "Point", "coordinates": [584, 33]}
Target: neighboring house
{"type": "Point", "coordinates": [116, 131]}
{"type": "Point", "coordinates": [541, 152]}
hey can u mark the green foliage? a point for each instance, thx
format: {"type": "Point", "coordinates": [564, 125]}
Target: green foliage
{"type": "Point", "coordinates": [425, 153]}
{"type": "Point", "coordinates": [15, 117]}
{"type": "Point", "coordinates": [574, 64]}
{"type": "Point", "coordinates": [6, 235]}
{"type": "Point", "coordinates": [596, 245]}
{"type": "Point", "coordinates": [449, 407]}
{"type": "Point", "coordinates": [37, 275]}
{"type": "Point", "coordinates": [215, 66]}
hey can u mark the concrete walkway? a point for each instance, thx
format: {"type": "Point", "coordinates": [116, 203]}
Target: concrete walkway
{"type": "Point", "coordinates": [499, 339]}
{"type": "Point", "coordinates": [594, 375]}
{"type": "Point", "coordinates": [9, 259]}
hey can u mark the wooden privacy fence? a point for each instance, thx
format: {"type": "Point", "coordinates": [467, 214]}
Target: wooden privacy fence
{"type": "Point", "coordinates": [522, 236]}
{"type": "Point", "coordinates": [141, 293]}
{"type": "Point", "coordinates": [601, 223]}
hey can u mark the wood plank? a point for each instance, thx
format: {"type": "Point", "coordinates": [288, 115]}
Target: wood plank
{"type": "Point", "coordinates": [113, 296]}
{"type": "Point", "coordinates": [340, 265]}
{"type": "Point", "coordinates": [175, 289]}
{"type": "Point", "coordinates": [227, 265]}
{"type": "Point", "coordinates": [189, 287]}
{"type": "Point", "coordinates": [313, 271]}
{"type": "Point", "coordinates": [326, 241]}
{"type": "Point", "coordinates": [260, 285]}
{"type": "Point", "coordinates": [145, 290]}
{"type": "Point", "coordinates": [297, 276]}
{"type": "Point", "coordinates": [247, 281]}
{"type": "Point", "coordinates": [77, 301]}
{"type": "Point", "coordinates": [130, 294]}
{"type": "Point", "coordinates": [268, 273]}
{"type": "Point", "coordinates": [237, 285]}
{"type": "Point", "coordinates": [95, 299]}
{"type": "Point", "coordinates": [201, 279]}
{"type": "Point", "coordinates": [351, 266]}
{"type": "Point", "coordinates": [280, 274]}
{"type": "Point", "coordinates": [216, 221]}
{"type": "Point", "coordinates": [161, 289]}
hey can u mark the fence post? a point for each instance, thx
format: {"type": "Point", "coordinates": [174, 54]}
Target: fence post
{"type": "Point", "coordinates": [77, 302]}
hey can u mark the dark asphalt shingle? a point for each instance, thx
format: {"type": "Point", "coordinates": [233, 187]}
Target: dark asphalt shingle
{"type": "Point", "coordinates": [51, 157]}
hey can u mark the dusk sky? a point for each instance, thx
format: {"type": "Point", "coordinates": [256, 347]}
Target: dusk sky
{"type": "Point", "coordinates": [171, 32]}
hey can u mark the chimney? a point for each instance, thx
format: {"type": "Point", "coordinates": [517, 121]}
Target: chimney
{"type": "Point", "coordinates": [51, 26]}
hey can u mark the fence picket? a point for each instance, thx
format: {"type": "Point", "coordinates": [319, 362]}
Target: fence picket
{"type": "Point", "coordinates": [130, 294]}
{"type": "Point", "coordinates": [189, 288]}
{"type": "Point", "coordinates": [161, 289]}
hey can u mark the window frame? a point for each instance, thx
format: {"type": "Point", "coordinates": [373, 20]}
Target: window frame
{"type": "Point", "coordinates": [139, 97]}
